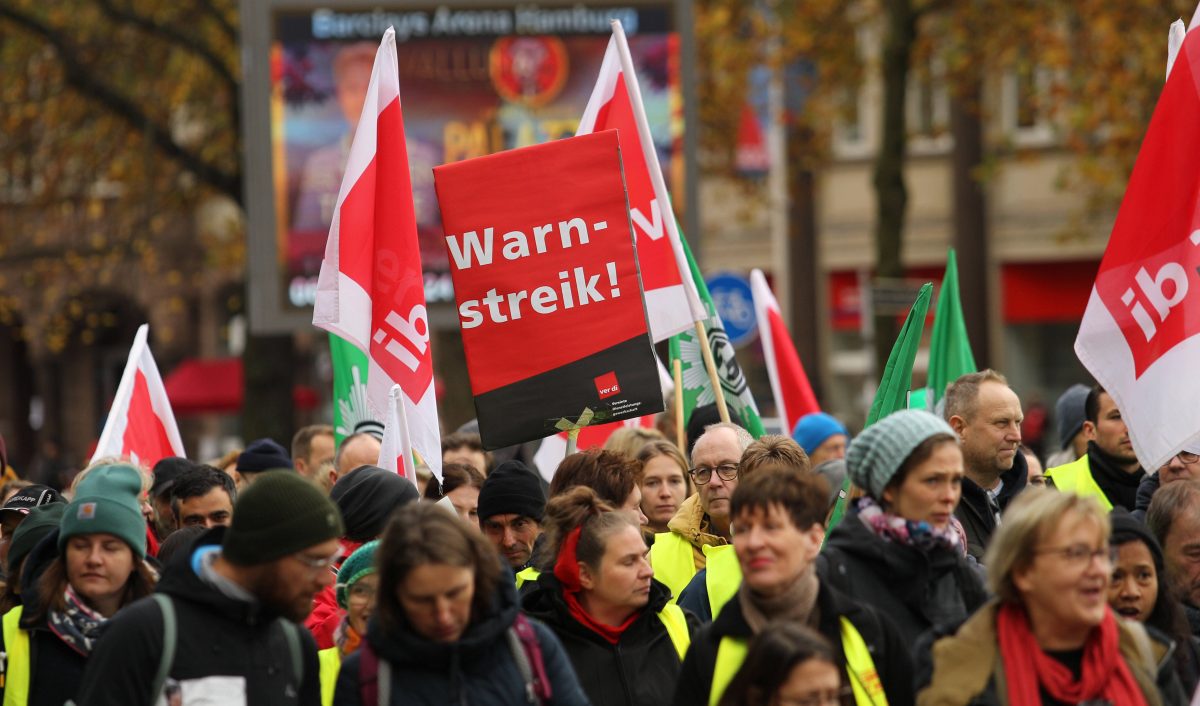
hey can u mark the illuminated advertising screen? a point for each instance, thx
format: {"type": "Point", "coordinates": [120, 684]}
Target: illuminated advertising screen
{"type": "Point", "coordinates": [474, 79]}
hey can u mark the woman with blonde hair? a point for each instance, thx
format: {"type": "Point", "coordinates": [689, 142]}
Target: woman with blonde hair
{"type": "Point", "coordinates": [1049, 637]}
{"type": "Point", "coordinates": [664, 482]}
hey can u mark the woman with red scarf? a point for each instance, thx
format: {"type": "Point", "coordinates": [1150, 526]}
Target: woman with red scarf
{"type": "Point", "coordinates": [1050, 637]}
{"type": "Point", "coordinates": [598, 594]}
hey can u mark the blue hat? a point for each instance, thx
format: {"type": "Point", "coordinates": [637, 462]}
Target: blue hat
{"type": "Point", "coordinates": [813, 429]}
{"type": "Point", "coordinates": [263, 455]}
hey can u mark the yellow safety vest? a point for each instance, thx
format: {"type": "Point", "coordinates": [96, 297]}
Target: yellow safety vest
{"type": "Point", "coordinates": [675, 622]}
{"type": "Point", "coordinates": [330, 663]}
{"type": "Point", "coordinates": [15, 660]}
{"type": "Point", "coordinates": [1076, 477]}
{"type": "Point", "coordinates": [864, 678]}
{"type": "Point", "coordinates": [527, 574]}
{"type": "Point", "coordinates": [673, 562]}
{"type": "Point", "coordinates": [723, 575]}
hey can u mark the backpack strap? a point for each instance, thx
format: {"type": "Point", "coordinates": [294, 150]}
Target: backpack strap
{"type": "Point", "coordinates": [291, 634]}
{"type": "Point", "coordinates": [533, 667]}
{"type": "Point", "coordinates": [170, 638]}
{"type": "Point", "coordinates": [368, 674]}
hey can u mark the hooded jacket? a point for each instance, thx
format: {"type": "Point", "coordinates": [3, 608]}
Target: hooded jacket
{"type": "Point", "coordinates": [915, 588]}
{"type": "Point", "coordinates": [218, 636]}
{"type": "Point", "coordinates": [476, 670]}
{"type": "Point", "coordinates": [973, 509]}
{"type": "Point", "coordinates": [889, 653]}
{"type": "Point", "coordinates": [640, 670]}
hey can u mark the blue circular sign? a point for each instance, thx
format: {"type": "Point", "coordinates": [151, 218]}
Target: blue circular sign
{"type": "Point", "coordinates": [735, 304]}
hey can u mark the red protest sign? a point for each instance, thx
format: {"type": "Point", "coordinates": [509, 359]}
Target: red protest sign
{"type": "Point", "coordinates": [547, 286]}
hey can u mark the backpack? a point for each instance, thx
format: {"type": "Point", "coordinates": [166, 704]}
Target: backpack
{"type": "Point", "coordinates": [375, 675]}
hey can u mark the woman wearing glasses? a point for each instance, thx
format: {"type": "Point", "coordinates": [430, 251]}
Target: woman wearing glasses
{"type": "Point", "coordinates": [899, 549]}
{"type": "Point", "coordinates": [1050, 637]}
{"type": "Point", "coordinates": [357, 582]}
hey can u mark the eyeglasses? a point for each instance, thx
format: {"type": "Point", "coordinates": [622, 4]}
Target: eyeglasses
{"type": "Point", "coordinates": [362, 592]}
{"type": "Point", "coordinates": [1080, 555]}
{"type": "Point", "coordinates": [1187, 458]}
{"type": "Point", "coordinates": [703, 474]}
{"type": "Point", "coordinates": [317, 565]}
{"type": "Point", "coordinates": [829, 697]}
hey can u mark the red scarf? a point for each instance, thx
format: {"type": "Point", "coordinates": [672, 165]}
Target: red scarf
{"type": "Point", "coordinates": [566, 570]}
{"type": "Point", "coordinates": [1104, 674]}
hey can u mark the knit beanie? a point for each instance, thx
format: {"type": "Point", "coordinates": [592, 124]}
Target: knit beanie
{"type": "Point", "coordinates": [1126, 529]}
{"type": "Point", "coordinates": [41, 521]}
{"type": "Point", "coordinates": [107, 501]}
{"type": "Point", "coordinates": [813, 429]}
{"type": "Point", "coordinates": [876, 455]}
{"type": "Point", "coordinates": [367, 497]}
{"type": "Point", "coordinates": [279, 514]}
{"type": "Point", "coordinates": [263, 455]}
{"type": "Point", "coordinates": [512, 489]}
{"type": "Point", "coordinates": [1070, 413]}
{"type": "Point", "coordinates": [361, 563]}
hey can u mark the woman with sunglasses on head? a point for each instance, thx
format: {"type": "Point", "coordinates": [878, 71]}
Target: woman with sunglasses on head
{"type": "Point", "coordinates": [1050, 637]}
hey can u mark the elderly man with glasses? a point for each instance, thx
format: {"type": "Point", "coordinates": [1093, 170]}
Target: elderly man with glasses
{"type": "Point", "coordinates": [1184, 465]}
{"type": "Point", "coordinates": [702, 521]}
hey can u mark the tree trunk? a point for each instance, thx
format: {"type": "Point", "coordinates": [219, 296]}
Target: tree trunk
{"type": "Point", "coordinates": [970, 217]}
{"type": "Point", "coordinates": [891, 192]}
{"type": "Point", "coordinates": [802, 263]}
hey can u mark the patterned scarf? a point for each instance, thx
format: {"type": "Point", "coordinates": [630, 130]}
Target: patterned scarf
{"type": "Point", "coordinates": [77, 625]}
{"type": "Point", "coordinates": [921, 535]}
{"type": "Point", "coordinates": [346, 638]}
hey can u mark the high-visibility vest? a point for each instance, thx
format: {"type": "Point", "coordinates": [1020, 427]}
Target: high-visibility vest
{"type": "Point", "coordinates": [1076, 477]}
{"type": "Point", "coordinates": [722, 576]}
{"type": "Point", "coordinates": [673, 562]}
{"type": "Point", "coordinates": [675, 622]}
{"type": "Point", "coordinates": [330, 663]}
{"type": "Point", "coordinates": [14, 662]}
{"type": "Point", "coordinates": [527, 574]}
{"type": "Point", "coordinates": [864, 678]}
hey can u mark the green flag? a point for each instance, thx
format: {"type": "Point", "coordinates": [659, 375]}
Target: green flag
{"type": "Point", "coordinates": [949, 349]}
{"type": "Point", "coordinates": [349, 387]}
{"type": "Point", "coordinates": [892, 394]}
{"type": "Point", "coordinates": [697, 389]}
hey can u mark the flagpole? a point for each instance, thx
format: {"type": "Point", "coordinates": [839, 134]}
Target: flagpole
{"type": "Point", "coordinates": [711, 366]}
{"type": "Point", "coordinates": [680, 427]}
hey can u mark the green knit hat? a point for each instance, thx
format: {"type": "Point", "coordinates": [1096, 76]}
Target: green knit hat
{"type": "Point", "coordinates": [876, 455]}
{"type": "Point", "coordinates": [279, 514]}
{"type": "Point", "coordinates": [107, 501]}
{"type": "Point", "coordinates": [41, 521]}
{"type": "Point", "coordinates": [361, 563]}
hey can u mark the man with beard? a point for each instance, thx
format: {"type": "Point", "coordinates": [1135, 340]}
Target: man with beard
{"type": "Point", "coordinates": [222, 627]}
{"type": "Point", "coordinates": [986, 415]}
{"type": "Point", "coordinates": [1110, 470]}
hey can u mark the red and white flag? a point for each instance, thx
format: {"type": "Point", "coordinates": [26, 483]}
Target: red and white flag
{"type": "Point", "coordinates": [371, 290]}
{"type": "Point", "coordinates": [140, 424]}
{"type": "Point", "coordinates": [794, 396]}
{"type": "Point", "coordinates": [395, 453]}
{"type": "Point", "coordinates": [554, 448]}
{"type": "Point", "coordinates": [672, 305]}
{"type": "Point", "coordinates": [1140, 334]}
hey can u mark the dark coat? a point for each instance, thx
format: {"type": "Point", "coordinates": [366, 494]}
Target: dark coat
{"type": "Point", "coordinates": [1145, 493]}
{"type": "Point", "coordinates": [477, 670]}
{"type": "Point", "coordinates": [915, 589]}
{"type": "Point", "coordinates": [888, 651]}
{"type": "Point", "coordinates": [218, 635]}
{"type": "Point", "coordinates": [640, 670]}
{"type": "Point", "coordinates": [973, 509]}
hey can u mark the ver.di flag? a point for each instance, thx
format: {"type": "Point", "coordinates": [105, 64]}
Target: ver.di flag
{"type": "Point", "coordinates": [371, 291]}
{"type": "Point", "coordinates": [794, 396]}
{"type": "Point", "coordinates": [672, 304]}
{"type": "Point", "coordinates": [1140, 334]}
{"type": "Point", "coordinates": [697, 388]}
{"type": "Point", "coordinates": [140, 424]}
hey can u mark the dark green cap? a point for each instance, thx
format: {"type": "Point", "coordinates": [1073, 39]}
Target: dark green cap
{"type": "Point", "coordinates": [41, 521]}
{"type": "Point", "coordinates": [277, 515]}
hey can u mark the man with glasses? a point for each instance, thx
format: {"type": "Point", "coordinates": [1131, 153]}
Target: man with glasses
{"type": "Point", "coordinates": [224, 628]}
{"type": "Point", "coordinates": [703, 519]}
{"type": "Point", "coordinates": [1184, 465]}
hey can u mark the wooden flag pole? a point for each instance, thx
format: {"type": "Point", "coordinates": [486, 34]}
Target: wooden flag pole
{"type": "Point", "coordinates": [711, 366]}
{"type": "Point", "coordinates": [680, 427]}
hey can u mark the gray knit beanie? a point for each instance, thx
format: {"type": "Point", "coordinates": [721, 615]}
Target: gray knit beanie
{"type": "Point", "coordinates": [876, 455]}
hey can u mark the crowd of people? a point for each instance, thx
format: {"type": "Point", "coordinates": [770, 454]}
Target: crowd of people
{"type": "Point", "coordinates": [640, 574]}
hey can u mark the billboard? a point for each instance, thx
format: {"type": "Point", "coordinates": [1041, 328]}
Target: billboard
{"type": "Point", "coordinates": [474, 79]}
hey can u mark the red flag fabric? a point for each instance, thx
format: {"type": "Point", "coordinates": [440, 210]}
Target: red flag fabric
{"type": "Point", "coordinates": [1138, 336]}
{"type": "Point", "coordinates": [794, 396]}
{"type": "Point", "coordinates": [554, 448]}
{"type": "Point", "coordinates": [140, 424]}
{"type": "Point", "coordinates": [371, 289]}
{"type": "Point", "coordinates": [672, 304]}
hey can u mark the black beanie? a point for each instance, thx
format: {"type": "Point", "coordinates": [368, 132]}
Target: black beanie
{"type": "Point", "coordinates": [263, 455]}
{"type": "Point", "coordinates": [512, 489]}
{"type": "Point", "coordinates": [367, 497]}
{"type": "Point", "coordinates": [279, 514]}
{"type": "Point", "coordinates": [1126, 528]}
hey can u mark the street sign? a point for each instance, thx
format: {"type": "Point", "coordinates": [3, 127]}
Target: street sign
{"type": "Point", "coordinates": [731, 295]}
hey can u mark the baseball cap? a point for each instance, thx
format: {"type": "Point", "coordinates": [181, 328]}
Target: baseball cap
{"type": "Point", "coordinates": [28, 498]}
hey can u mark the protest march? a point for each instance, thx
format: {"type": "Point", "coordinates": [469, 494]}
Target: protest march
{"type": "Point", "coordinates": [616, 526]}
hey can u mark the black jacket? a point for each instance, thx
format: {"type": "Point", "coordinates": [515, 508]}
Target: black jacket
{"type": "Point", "coordinates": [1145, 493]}
{"type": "Point", "coordinates": [888, 651]}
{"type": "Point", "coordinates": [916, 589]}
{"type": "Point", "coordinates": [1119, 486]}
{"type": "Point", "coordinates": [218, 636]}
{"type": "Point", "coordinates": [973, 509]}
{"type": "Point", "coordinates": [640, 670]}
{"type": "Point", "coordinates": [477, 670]}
